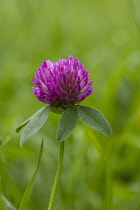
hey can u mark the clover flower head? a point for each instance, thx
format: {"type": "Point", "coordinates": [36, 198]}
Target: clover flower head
{"type": "Point", "coordinates": [63, 83]}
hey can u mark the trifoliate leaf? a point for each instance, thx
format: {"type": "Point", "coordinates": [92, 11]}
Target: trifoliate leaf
{"type": "Point", "coordinates": [67, 123]}
{"type": "Point", "coordinates": [26, 121]}
{"type": "Point", "coordinates": [95, 119]}
{"type": "Point", "coordinates": [35, 124]}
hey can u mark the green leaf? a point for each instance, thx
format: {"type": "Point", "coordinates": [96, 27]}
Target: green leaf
{"type": "Point", "coordinates": [67, 123]}
{"type": "Point", "coordinates": [26, 121]}
{"type": "Point", "coordinates": [95, 119]}
{"type": "Point", "coordinates": [35, 124]}
{"type": "Point", "coordinates": [30, 185]}
{"type": "Point", "coordinates": [55, 110]}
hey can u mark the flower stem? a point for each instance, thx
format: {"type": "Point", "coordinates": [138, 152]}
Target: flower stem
{"type": "Point", "coordinates": [58, 172]}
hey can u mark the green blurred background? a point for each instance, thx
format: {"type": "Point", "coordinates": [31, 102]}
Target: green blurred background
{"type": "Point", "coordinates": [99, 172]}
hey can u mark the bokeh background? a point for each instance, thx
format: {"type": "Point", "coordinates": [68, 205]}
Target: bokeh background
{"type": "Point", "coordinates": [99, 172]}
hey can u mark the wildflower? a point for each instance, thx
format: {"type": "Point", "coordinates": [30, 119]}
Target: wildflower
{"type": "Point", "coordinates": [62, 84]}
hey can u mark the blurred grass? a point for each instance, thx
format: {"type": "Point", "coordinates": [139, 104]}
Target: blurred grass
{"type": "Point", "coordinates": [104, 35]}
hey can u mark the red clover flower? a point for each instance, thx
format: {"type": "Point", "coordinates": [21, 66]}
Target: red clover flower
{"type": "Point", "coordinates": [63, 83]}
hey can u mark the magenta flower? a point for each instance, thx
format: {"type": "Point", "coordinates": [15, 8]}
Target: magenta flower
{"type": "Point", "coordinates": [63, 83]}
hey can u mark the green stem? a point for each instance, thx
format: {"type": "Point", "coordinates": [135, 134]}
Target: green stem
{"type": "Point", "coordinates": [58, 172]}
